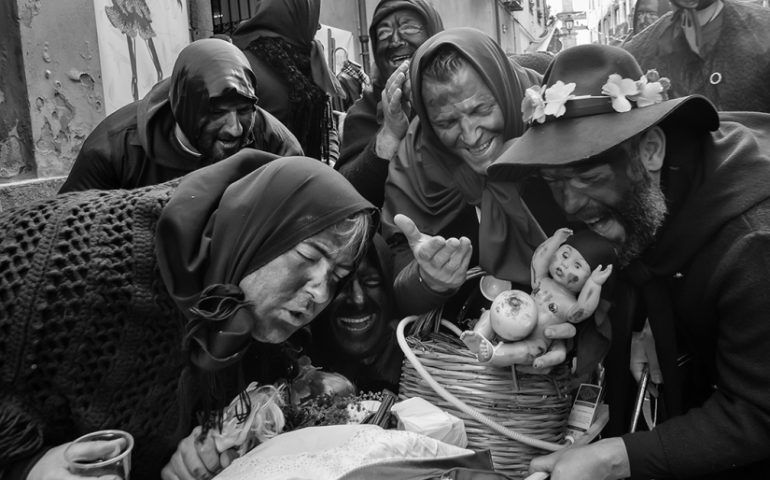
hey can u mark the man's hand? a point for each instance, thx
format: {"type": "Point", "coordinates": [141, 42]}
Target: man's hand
{"type": "Point", "coordinates": [53, 466]}
{"type": "Point", "coordinates": [196, 458]}
{"type": "Point", "coordinates": [603, 460]}
{"type": "Point", "coordinates": [443, 263]}
{"type": "Point", "coordinates": [396, 108]}
{"type": "Point", "coordinates": [643, 353]}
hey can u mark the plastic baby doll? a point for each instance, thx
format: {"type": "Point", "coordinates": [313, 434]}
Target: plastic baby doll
{"type": "Point", "coordinates": [568, 272]}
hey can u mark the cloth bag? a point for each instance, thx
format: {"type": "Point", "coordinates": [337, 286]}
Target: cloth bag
{"type": "Point", "coordinates": [346, 452]}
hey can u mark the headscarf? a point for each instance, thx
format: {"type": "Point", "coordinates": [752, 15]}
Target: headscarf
{"type": "Point", "coordinates": [432, 185]}
{"type": "Point", "coordinates": [225, 221]}
{"type": "Point", "coordinates": [207, 69]}
{"type": "Point", "coordinates": [296, 22]}
{"type": "Point", "coordinates": [433, 25]}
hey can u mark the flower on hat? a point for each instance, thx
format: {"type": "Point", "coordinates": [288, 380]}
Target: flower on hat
{"type": "Point", "coordinates": [538, 103]}
{"type": "Point", "coordinates": [556, 96]}
{"type": "Point", "coordinates": [533, 105]}
{"type": "Point", "coordinates": [619, 88]}
{"type": "Point", "coordinates": [652, 89]}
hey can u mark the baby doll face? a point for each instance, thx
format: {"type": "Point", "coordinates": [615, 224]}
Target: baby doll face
{"type": "Point", "coordinates": [569, 268]}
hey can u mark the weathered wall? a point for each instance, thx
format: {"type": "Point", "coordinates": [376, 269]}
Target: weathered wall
{"type": "Point", "coordinates": [61, 64]}
{"type": "Point", "coordinates": [16, 157]}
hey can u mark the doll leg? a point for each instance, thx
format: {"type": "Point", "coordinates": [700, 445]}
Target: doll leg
{"type": "Point", "coordinates": [478, 344]}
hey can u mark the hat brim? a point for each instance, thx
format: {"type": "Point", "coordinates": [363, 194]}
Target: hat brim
{"type": "Point", "coordinates": [572, 140]}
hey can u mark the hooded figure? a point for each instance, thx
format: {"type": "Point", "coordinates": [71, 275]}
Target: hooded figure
{"type": "Point", "coordinates": [294, 81]}
{"type": "Point", "coordinates": [436, 186]}
{"type": "Point", "coordinates": [716, 48]}
{"type": "Point", "coordinates": [130, 309]}
{"type": "Point", "coordinates": [358, 160]}
{"type": "Point", "coordinates": [356, 334]}
{"type": "Point", "coordinates": [204, 112]}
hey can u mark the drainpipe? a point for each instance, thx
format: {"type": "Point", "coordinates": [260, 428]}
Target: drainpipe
{"type": "Point", "coordinates": [363, 37]}
{"type": "Point", "coordinates": [497, 22]}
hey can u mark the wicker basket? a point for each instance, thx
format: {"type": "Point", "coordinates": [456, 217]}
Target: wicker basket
{"type": "Point", "coordinates": [507, 421]}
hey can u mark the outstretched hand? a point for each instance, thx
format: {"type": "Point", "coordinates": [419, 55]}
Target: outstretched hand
{"type": "Point", "coordinates": [443, 263]}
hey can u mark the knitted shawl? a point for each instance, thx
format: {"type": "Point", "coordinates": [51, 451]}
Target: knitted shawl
{"type": "Point", "coordinates": [89, 338]}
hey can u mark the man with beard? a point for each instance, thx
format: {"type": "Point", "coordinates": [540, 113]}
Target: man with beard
{"type": "Point", "coordinates": [682, 191]}
{"type": "Point", "coordinates": [377, 122]}
{"type": "Point", "coordinates": [206, 111]}
{"type": "Point", "coordinates": [356, 334]}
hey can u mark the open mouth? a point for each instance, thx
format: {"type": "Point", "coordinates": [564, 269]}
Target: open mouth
{"type": "Point", "coordinates": [481, 149]}
{"type": "Point", "coordinates": [357, 324]}
{"type": "Point", "coordinates": [399, 59]}
{"type": "Point", "coordinates": [601, 225]}
{"type": "Point", "coordinates": [230, 145]}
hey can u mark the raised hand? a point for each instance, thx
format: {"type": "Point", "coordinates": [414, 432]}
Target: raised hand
{"type": "Point", "coordinates": [443, 263]}
{"type": "Point", "coordinates": [396, 108]}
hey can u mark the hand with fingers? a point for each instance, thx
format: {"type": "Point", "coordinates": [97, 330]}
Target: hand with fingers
{"type": "Point", "coordinates": [54, 466]}
{"type": "Point", "coordinates": [443, 263]}
{"type": "Point", "coordinates": [643, 354]}
{"type": "Point", "coordinates": [396, 109]}
{"type": "Point", "coordinates": [197, 458]}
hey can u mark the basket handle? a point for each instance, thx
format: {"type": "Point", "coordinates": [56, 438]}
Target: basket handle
{"type": "Point", "coordinates": [446, 395]}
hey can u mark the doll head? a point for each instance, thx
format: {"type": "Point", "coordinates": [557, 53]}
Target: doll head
{"type": "Point", "coordinates": [577, 257]}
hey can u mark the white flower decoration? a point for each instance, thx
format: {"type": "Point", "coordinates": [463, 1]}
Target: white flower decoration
{"type": "Point", "coordinates": [532, 105]}
{"type": "Point", "coordinates": [556, 97]}
{"type": "Point", "coordinates": [618, 89]}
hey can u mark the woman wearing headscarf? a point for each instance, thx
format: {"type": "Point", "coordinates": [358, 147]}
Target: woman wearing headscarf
{"type": "Point", "coordinates": [467, 95]}
{"type": "Point", "coordinates": [133, 309]}
{"type": "Point", "coordinates": [376, 123]}
{"type": "Point", "coordinates": [293, 80]}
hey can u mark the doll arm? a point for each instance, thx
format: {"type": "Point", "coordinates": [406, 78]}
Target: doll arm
{"type": "Point", "coordinates": [589, 296]}
{"type": "Point", "coordinates": [544, 253]}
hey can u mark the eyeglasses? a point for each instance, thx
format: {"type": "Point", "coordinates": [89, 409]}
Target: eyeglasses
{"type": "Point", "coordinates": [404, 30]}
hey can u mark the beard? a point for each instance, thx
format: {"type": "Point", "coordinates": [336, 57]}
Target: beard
{"type": "Point", "coordinates": [641, 211]}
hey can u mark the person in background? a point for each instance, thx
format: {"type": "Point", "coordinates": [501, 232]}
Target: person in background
{"type": "Point", "coordinates": [377, 122]}
{"type": "Point", "coordinates": [442, 213]}
{"type": "Point", "coordinates": [356, 334]}
{"type": "Point", "coordinates": [294, 80]}
{"type": "Point", "coordinates": [351, 77]}
{"type": "Point", "coordinates": [204, 112]}
{"type": "Point", "coordinates": [134, 309]}
{"type": "Point", "coordinates": [682, 192]}
{"type": "Point", "coordinates": [716, 48]}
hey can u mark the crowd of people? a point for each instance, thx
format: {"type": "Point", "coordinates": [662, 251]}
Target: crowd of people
{"type": "Point", "coordinates": [219, 218]}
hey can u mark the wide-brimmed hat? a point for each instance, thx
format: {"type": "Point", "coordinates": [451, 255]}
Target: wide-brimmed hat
{"type": "Point", "coordinates": [593, 98]}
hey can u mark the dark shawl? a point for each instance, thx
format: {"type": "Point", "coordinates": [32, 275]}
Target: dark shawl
{"type": "Point", "coordinates": [226, 221]}
{"type": "Point", "coordinates": [206, 69]}
{"type": "Point", "coordinates": [296, 22]}
{"type": "Point", "coordinates": [431, 185]}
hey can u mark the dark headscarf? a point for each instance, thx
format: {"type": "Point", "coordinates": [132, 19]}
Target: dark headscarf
{"type": "Point", "coordinates": [294, 21]}
{"type": "Point", "coordinates": [431, 185]}
{"type": "Point", "coordinates": [225, 221]}
{"type": "Point", "coordinates": [207, 69]}
{"type": "Point", "coordinates": [433, 24]}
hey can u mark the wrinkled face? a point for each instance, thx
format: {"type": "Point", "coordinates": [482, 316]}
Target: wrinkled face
{"type": "Point", "coordinates": [359, 315]}
{"type": "Point", "coordinates": [226, 129]}
{"type": "Point", "coordinates": [569, 268]}
{"type": "Point", "coordinates": [290, 290]}
{"type": "Point", "coordinates": [398, 36]}
{"type": "Point", "coordinates": [466, 117]}
{"type": "Point", "coordinates": [617, 199]}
